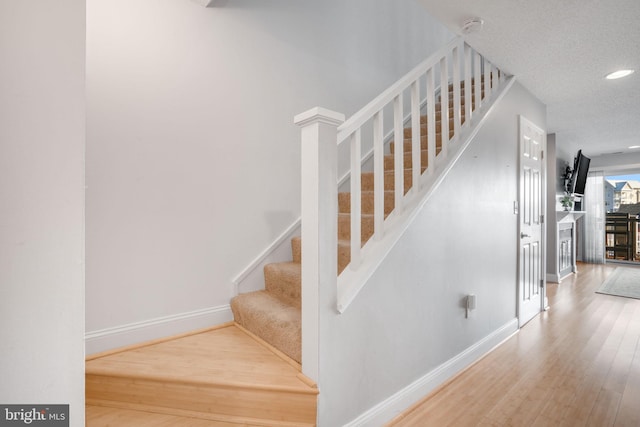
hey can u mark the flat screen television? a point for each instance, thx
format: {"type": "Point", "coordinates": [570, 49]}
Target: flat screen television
{"type": "Point", "coordinates": [579, 175]}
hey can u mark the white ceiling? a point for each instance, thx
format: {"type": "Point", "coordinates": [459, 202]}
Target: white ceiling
{"type": "Point", "coordinates": [561, 50]}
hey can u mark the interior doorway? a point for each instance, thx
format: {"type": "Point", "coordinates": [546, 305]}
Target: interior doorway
{"type": "Point", "coordinates": [531, 229]}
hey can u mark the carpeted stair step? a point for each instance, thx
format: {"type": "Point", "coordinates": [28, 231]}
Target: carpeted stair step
{"type": "Point", "coordinates": [462, 85]}
{"type": "Point", "coordinates": [408, 143]}
{"type": "Point", "coordinates": [344, 226]}
{"type": "Point", "coordinates": [423, 130]}
{"type": "Point", "coordinates": [439, 108]}
{"type": "Point", "coordinates": [462, 92]}
{"type": "Point", "coordinates": [451, 113]}
{"type": "Point", "coordinates": [296, 249]}
{"type": "Point", "coordinates": [344, 252]}
{"type": "Point", "coordinates": [389, 161]}
{"type": "Point", "coordinates": [423, 118]}
{"type": "Point", "coordinates": [283, 280]}
{"type": "Point", "coordinates": [389, 180]}
{"type": "Point", "coordinates": [462, 96]}
{"type": "Point", "coordinates": [408, 131]}
{"type": "Point", "coordinates": [271, 319]}
{"type": "Point", "coordinates": [367, 202]}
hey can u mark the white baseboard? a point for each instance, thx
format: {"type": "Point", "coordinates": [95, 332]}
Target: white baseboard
{"type": "Point", "coordinates": [160, 327]}
{"type": "Point", "coordinates": [386, 410]}
{"type": "Point", "coordinates": [553, 277]}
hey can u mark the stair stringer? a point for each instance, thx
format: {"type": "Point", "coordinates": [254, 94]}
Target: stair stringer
{"type": "Point", "coordinates": [351, 281]}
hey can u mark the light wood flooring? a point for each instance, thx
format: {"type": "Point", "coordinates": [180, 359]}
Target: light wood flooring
{"type": "Point", "coordinates": [577, 364]}
{"type": "Point", "coordinates": [220, 377]}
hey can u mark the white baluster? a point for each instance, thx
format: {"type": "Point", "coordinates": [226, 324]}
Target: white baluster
{"type": "Point", "coordinates": [457, 119]}
{"type": "Point", "coordinates": [378, 175]}
{"type": "Point", "coordinates": [487, 79]}
{"type": "Point", "coordinates": [431, 122]}
{"type": "Point", "coordinates": [398, 152]}
{"type": "Point", "coordinates": [467, 84]}
{"type": "Point", "coordinates": [477, 77]}
{"type": "Point", "coordinates": [415, 135]}
{"type": "Point", "coordinates": [356, 199]}
{"type": "Point", "coordinates": [444, 104]}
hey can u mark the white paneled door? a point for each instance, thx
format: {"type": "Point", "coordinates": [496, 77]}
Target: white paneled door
{"type": "Point", "coordinates": [531, 230]}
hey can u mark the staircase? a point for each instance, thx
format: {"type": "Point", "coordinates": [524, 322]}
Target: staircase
{"type": "Point", "coordinates": [274, 314]}
{"type": "Point", "coordinates": [249, 372]}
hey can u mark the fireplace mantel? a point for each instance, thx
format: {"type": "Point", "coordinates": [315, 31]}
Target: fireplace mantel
{"type": "Point", "coordinates": [568, 216]}
{"type": "Point", "coordinates": [565, 244]}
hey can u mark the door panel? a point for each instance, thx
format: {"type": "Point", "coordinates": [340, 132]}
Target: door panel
{"type": "Point", "coordinates": [531, 229]}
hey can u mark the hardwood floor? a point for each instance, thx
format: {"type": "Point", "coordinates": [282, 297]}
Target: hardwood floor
{"type": "Point", "coordinates": [577, 364]}
{"type": "Point", "coordinates": [99, 416]}
{"type": "Point", "coordinates": [219, 377]}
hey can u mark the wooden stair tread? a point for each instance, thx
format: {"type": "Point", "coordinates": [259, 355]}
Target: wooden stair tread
{"type": "Point", "coordinates": [223, 375]}
{"type": "Point", "coordinates": [225, 356]}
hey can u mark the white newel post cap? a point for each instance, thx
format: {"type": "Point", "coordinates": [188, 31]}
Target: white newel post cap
{"type": "Point", "coordinates": [319, 115]}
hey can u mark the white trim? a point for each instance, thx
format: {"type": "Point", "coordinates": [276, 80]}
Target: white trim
{"type": "Point", "coordinates": [319, 114]}
{"type": "Point", "coordinates": [553, 277]}
{"type": "Point", "coordinates": [259, 261]}
{"type": "Point", "coordinates": [159, 327]}
{"type": "Point", "coordinates": [400, 401]}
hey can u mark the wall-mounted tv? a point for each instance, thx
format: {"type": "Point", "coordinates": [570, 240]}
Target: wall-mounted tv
{"type": "Point", "coordinates": [579, 175]}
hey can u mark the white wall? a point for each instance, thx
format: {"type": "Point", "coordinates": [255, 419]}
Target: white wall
{"type": "Point", "coordinates": [410, 318]}
{"type": "Point", "coordinates": [192, 155]}
{"type": "Point", "coordinates": [42, 46]}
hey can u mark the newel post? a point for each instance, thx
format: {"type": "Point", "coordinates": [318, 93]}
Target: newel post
{"type": "Point", "coordinates": [319, 225]}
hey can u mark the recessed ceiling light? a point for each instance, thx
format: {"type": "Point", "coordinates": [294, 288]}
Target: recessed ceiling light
{"type": "Point", "coordinates": [634, 146]}
{"type": "Point", "coordinates": [619, 74]}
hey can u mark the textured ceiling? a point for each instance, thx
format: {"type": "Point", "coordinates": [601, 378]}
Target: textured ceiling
{"type": "Point", "coordinates": [561, 50]}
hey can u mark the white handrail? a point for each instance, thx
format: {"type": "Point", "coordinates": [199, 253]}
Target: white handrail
{"type": "Point", "coordinates": [360, 118]}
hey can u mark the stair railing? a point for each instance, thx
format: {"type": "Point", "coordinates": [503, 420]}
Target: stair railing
{"type": "Point", "coordinates": [453, 67]}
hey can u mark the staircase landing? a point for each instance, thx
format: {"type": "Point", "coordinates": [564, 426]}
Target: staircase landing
{"type": "Point", "coordinates": [224, 375]}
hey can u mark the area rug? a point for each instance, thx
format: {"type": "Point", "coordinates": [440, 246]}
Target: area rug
{"type": "Point", "coordinates": [623, 282]}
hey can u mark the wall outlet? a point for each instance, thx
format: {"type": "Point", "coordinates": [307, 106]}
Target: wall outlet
{"type": "Point", "coordinates": [471, 304]}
